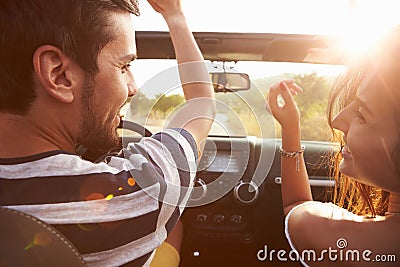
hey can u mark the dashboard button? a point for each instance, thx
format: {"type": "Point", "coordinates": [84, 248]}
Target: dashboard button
{"type": "Point", "coordinates": [199, 190]}
{"type": "Point", "coordinates": [236, 219]}
{"type": "Point", "coordinates": [219, 218]}
{"type": "Point", "coordinates": [246, 192]}
{"type": "Point", "coordinates": [202, 217]}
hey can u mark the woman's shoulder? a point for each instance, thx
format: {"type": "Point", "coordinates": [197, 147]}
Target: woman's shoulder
{"type": "Point", "coordinates": [321, 211]}
{"type": "Point", "coordinates": [315, 217]}
{"type": "Point", "coordinates": [320, 226]}
{"type": "Point", "coordinates": [311, 223]}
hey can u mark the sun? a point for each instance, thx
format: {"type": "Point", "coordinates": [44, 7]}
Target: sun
{"type": "Point", "coordinates": [363, 24]}
{"type": "Point", "coordinates": [368, 22]}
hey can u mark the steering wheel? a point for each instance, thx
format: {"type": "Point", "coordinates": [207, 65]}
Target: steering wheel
{"type": "Point", "coordinates": [99, 155]}
{"type": "Point", "coordinates": [135, 127]}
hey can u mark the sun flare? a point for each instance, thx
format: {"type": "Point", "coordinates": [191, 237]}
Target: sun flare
{"type": "Point", "coordinates": [369, 22]}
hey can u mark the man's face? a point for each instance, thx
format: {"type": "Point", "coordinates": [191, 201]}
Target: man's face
{"type": "Point", "coordinates": [106, 92]}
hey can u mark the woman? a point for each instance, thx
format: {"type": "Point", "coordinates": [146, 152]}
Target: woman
{"type": "Point", "coordinates": [364, 111]}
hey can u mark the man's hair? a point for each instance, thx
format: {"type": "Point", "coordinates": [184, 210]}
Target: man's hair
{"type": "Point", "coordinates": [80, 28]}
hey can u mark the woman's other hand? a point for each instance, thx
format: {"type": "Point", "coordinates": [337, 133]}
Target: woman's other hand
{"type": "Point", "coordinates": [287, 113]}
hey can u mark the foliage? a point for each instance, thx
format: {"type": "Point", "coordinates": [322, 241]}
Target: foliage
{"type": "Point", "coordinates": [242, 112]}
{"type": "Point", "coordinates": [312, 103]}
{"type": "Point", "coordinates": [140, 104]}
{"type": "Point", "coordinates": [166, 104]}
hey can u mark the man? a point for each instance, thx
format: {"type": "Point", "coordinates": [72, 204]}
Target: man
{"type": "Point", "coordinates": [64, 76]}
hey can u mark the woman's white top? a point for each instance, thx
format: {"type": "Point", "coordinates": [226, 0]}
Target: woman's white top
{"type": "Point", "coordinates": [326, 210]}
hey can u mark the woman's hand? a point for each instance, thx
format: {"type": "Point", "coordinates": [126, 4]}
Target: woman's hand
{"type": "Point", "coordinates": [166, 8]}
{"type": "Point", "coordinates": [295, 185]}
{"type": "Point", "coordinates": [288, 114]}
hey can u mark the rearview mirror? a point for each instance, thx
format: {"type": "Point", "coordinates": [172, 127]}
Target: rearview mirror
{"type": "Point", "coordinates": [230, 82]}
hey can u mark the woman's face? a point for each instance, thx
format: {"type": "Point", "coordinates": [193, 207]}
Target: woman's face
{"type": "Point", "coordinates": [371, 133]}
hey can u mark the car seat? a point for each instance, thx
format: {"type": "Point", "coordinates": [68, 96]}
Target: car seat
{"type": "Point", "coordinates": [28, 241]}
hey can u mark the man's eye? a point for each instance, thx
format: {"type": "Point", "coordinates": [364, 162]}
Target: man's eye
{"type": "Point", "coordinates": [125, 67]}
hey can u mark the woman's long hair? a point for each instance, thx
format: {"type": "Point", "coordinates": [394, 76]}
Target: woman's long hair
{"type": "Point", "coordinates": [352, 195]}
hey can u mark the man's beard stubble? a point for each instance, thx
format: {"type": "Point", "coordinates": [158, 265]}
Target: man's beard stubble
{"type": "Point", "coordinates": [92, 133]}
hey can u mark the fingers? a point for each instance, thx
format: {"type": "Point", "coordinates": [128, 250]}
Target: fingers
{"type": "Point", "coordinates": [272, 102]}
{"type": "Point", "coordinates": [287, 114]}
{"type": "Point", "coordinates": [287, 92]}
{"type": "Point", "coordinates": [285, 88]}
{"type": "Point", "coordinates": [272, 98]}
{"type": "Point", "coordinates": [294, 88]}
{"type": "Point", "coordinates": [287, 111]}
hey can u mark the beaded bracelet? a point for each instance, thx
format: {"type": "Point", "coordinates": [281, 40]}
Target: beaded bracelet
{"type": "Point", "coordinates": [294, 154]}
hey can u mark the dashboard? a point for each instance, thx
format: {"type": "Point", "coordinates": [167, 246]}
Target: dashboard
{"type": "Point", "coordinates": [221, 168]}
{"type": "Point", "coordinates": [236, 206]}
{"type": "Point", "coordinates": [222, 161]}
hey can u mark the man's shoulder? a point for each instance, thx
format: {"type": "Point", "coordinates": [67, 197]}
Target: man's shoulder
{"type": "Point", "coordinates": [171, 145]}
{"type": "Point", "coordinates": [52, 163]}
{"type": "Point", "coordinates": [177, 136]}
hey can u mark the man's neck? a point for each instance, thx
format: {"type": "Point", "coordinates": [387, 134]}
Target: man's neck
{"type": "Point", "coordinates": [20, 136]}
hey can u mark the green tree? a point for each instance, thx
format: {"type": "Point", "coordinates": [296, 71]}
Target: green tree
{"type": "Point", "coordinates": [312, 104]}
{"type": "Point", "coordinates": [166, 104]}
{"type": "Point", "coordinates": [140, 105]}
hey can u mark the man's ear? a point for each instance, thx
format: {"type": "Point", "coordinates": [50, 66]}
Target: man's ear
{"type": "Point", "coordinates": [56, 73]}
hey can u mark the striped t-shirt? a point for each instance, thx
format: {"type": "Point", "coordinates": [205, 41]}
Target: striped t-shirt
{"type": "Point", "coordinates": [115, 213]}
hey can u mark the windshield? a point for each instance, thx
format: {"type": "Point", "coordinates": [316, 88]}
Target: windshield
{"type": "Point", "coordinates": [241, 113]}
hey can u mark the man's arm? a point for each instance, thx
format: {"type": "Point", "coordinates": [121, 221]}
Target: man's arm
{"type": "Point", "coordinates": [198, 114]}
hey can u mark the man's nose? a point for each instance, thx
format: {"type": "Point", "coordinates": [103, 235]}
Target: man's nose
{"type": "Point", "coordinates": [132, 87]}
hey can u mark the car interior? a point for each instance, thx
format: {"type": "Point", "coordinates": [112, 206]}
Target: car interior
{"type": "Point", "coordinates": [236, 209]}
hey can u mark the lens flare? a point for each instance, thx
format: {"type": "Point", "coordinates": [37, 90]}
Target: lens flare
{"type": "Point", "coordinates": [40, 239]}
{"type": "Point", "coordinates": [131, 182]}
{"type": "Point", "coordinates": [94, 196]}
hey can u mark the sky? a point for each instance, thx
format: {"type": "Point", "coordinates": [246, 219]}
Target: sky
{"type": "Point", "coordinates": [357, 22]}
{"type": "Point", "coordinates": [285, 16]}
